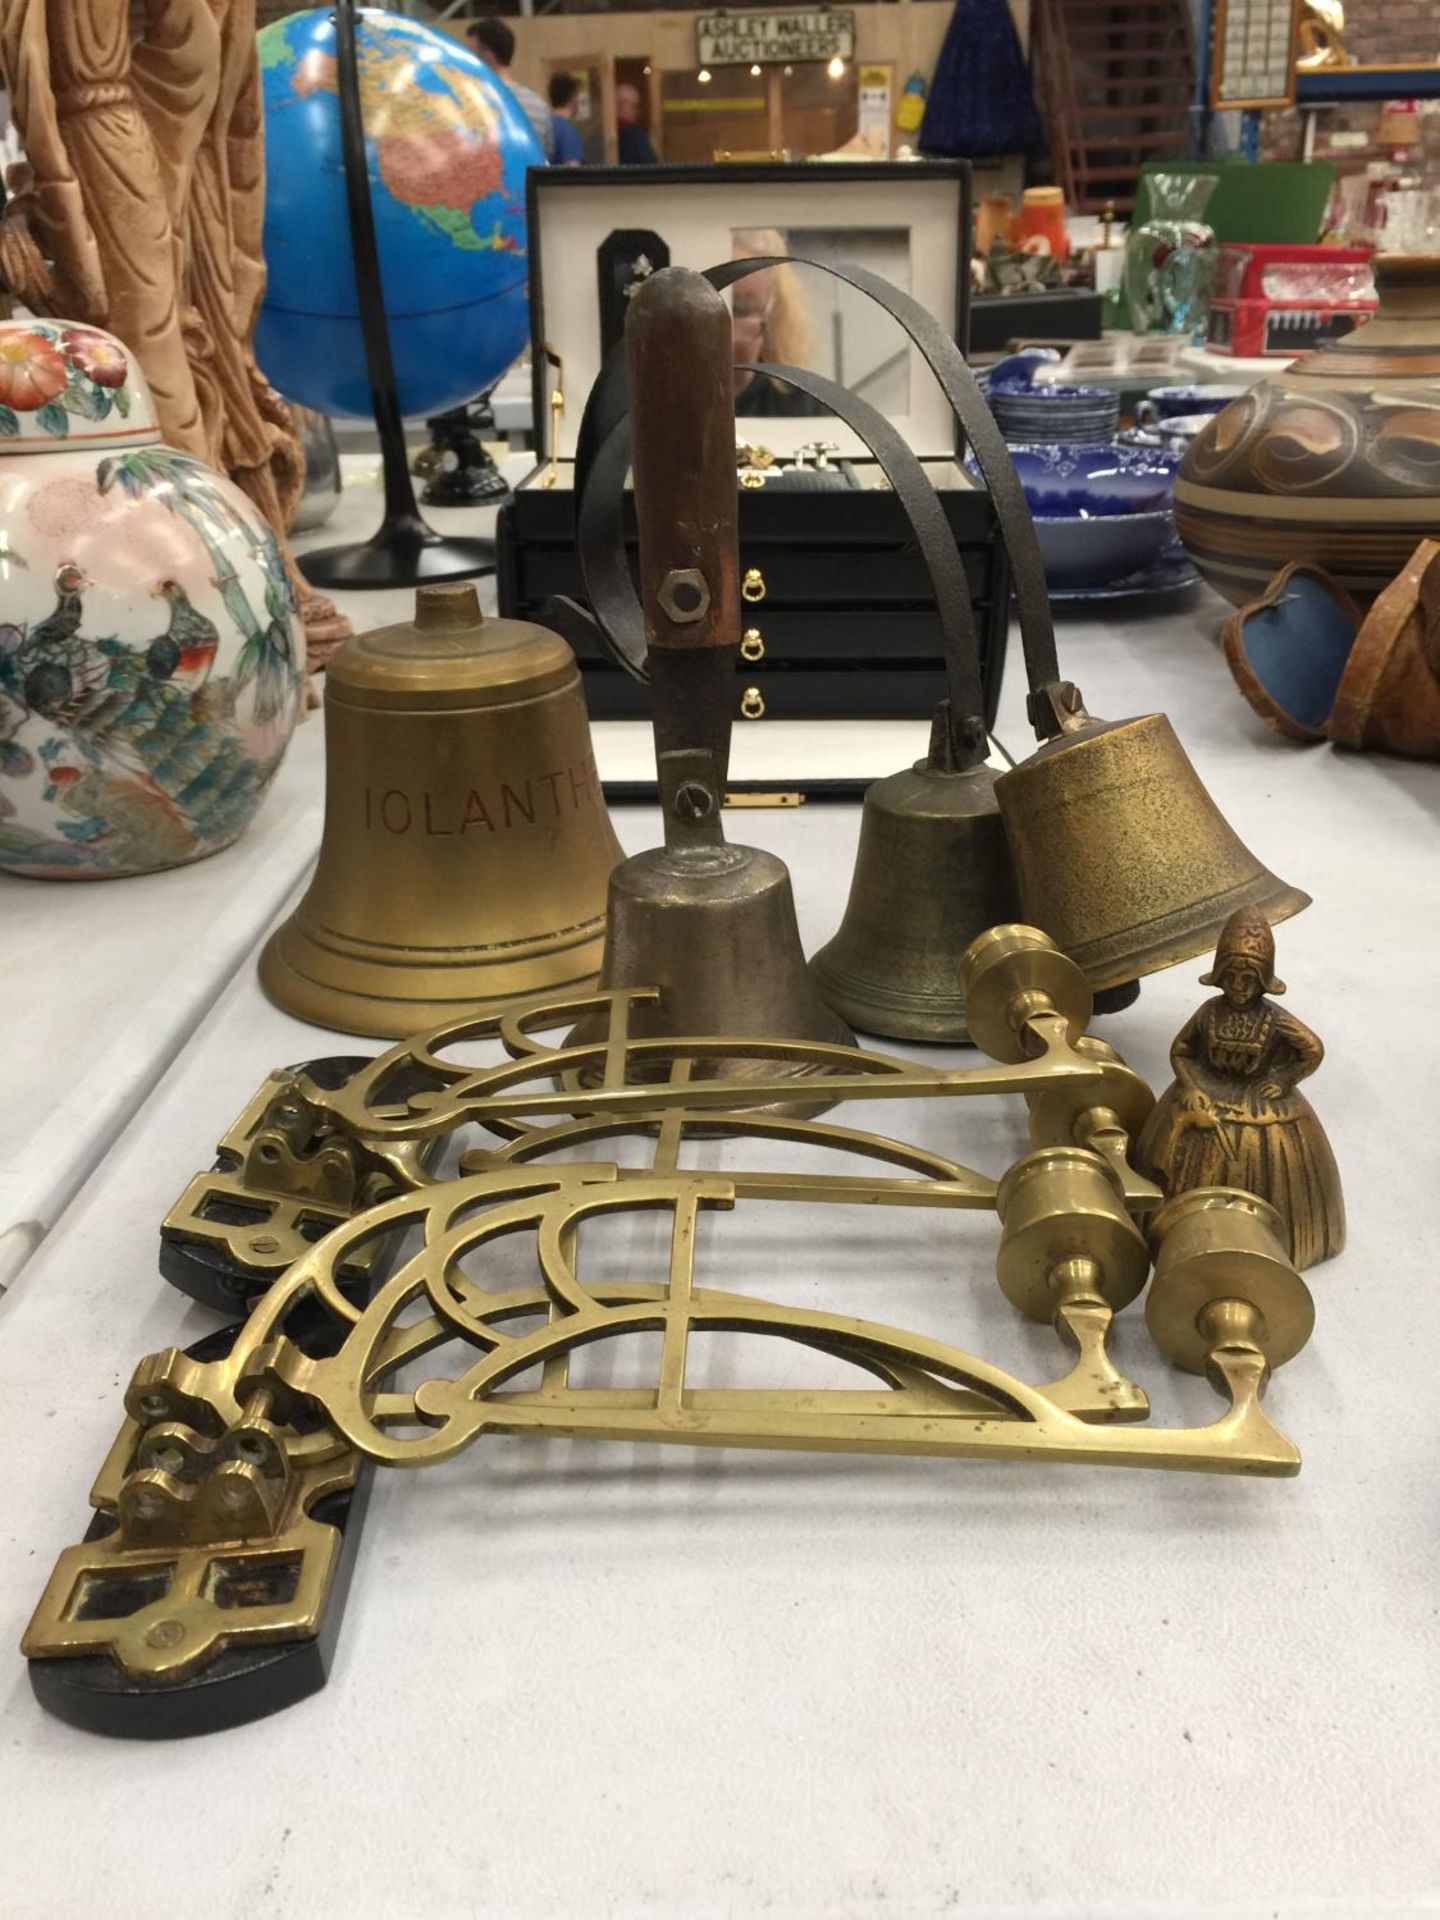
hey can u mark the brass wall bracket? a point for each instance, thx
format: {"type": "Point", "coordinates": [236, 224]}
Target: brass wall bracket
{"type": "Point", "coordinates": [211, 1487]}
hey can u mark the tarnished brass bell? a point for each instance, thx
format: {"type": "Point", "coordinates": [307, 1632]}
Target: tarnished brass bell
{"type": "Point", "coordinates": [1120, 853]}
{"type": "Point", "coordinates": [467, 848]}
{"type": "Point", "coordinates": [711, 925]}
{"type": "Point", "coordinates": [932, 871]}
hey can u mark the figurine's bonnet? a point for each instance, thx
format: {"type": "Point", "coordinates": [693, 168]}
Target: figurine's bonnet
{"type": "Point", "coordinates": [1245, 938]}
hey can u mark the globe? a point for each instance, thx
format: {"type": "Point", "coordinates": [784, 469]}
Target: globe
{"type": "Point", "coordinates": [446, 145]}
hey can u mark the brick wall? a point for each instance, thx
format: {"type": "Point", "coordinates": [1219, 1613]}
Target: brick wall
{"type": "Point", "coordinates": [1376, 32]}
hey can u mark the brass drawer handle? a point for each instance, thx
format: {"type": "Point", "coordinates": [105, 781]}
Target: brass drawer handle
{"type": "Point", "coordinates": [752, 704]}
{"type": "Point", "coordinates": [752, 644]}
{"type": "Point", "coordinates": [752, 587]}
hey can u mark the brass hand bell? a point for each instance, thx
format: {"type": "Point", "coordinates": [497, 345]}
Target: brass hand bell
{"type": "Point", "coordinates": [1119, 851]}
{"type": "Point", "coordinates": [711, 925]}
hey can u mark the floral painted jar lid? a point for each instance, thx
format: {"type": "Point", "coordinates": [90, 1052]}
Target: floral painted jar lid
{"type": "Point", "coordinates": [62, 384]}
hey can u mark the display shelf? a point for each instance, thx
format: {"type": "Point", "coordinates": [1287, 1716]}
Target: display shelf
{"type": "Point", "coordinates": [1321, 86]}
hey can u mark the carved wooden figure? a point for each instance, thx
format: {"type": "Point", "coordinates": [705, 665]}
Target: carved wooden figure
{"type": "Point", "coordinates": [145, 192]}
{"type": "Point", "coordinates": [1233, 1116]}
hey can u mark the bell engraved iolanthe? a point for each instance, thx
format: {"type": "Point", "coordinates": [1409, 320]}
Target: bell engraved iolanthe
{"type": "Point", "coordinates": [467, 848]}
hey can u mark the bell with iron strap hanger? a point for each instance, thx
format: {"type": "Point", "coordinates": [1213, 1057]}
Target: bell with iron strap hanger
{"type": "Point", "coordinates": [1119, 853]}
{"type": "Point", "coordinates": [711, 925]}
{"type": "Point", "coordinates": [1114, 846]}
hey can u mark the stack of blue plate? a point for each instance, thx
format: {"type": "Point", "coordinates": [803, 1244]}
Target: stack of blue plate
{"type": "Point", "coordinates": [1077, 416]}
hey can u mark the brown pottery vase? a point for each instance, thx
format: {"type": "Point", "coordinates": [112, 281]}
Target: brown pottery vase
{"type": "Point", "coordinates": [1333, 461]}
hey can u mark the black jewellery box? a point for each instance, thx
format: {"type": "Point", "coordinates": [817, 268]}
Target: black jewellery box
{"type": "Point", "coordinates": [841, 622]}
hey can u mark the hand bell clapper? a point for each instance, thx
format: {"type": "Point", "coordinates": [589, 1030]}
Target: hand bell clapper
{"type": "Point", "coordinates": [711, 925]}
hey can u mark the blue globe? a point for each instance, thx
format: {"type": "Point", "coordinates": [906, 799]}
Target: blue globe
{"type": "Point", "coordinates": [447, 145]}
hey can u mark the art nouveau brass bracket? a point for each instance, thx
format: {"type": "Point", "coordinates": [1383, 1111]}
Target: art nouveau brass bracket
{"type": "Point", "coordinates": [210, 1491]}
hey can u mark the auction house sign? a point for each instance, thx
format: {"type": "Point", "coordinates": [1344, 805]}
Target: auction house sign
{"type": "Point", "coordinates": [740, 39]}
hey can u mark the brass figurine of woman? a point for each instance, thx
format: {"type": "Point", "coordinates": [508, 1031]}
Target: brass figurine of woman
{"type": "Point", "coordinates": [1232, 1116]}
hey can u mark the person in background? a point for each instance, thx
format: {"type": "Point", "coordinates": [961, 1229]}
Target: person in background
{"type": "Point", "coordinates": [771, 322]}
{"type": "Point", "coordinates": [634, 146]}
{"type": "Point", "coordinates": [495, 44]}
{"type": "Point", "coordinates": [567, 149]}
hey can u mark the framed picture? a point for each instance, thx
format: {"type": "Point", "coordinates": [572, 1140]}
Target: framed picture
{"type": "Point", "coordinates": [1252, 56]}
{"type": "Point", "coordinates": [594, 231]}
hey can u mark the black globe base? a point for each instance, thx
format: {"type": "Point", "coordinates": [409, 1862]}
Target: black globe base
{"type": "Point", "coordinates": [406, 551]}
{"type": "Point", "coordinates": [406, 556]}
{"type": "Point", "coordinates": [477, 484]}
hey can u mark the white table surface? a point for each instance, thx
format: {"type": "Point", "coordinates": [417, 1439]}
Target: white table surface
{"type": "Point", "coordinates": [105, 981]}
{"type": "Point", "coordinates": [584, 1681]}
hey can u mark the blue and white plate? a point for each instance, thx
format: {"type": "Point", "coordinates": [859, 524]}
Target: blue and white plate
{"type": "Point", "coordinates": [1168, 581]}
{"type": "Point", "coordinates": [1078, 415]}
{"type": "Point", "coordinates": [1098, 551]}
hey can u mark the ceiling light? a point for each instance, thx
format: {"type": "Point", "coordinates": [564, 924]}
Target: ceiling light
{"type": "Point", "coordinates": [836, 67]}
{"type": "Point", "coordinates": [703, 76]}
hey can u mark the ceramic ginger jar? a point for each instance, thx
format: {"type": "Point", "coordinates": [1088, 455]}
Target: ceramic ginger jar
{"type": "Point", "coordinates": [151, 657]}
{"type": "Point", "coordinates": [1332, 462]}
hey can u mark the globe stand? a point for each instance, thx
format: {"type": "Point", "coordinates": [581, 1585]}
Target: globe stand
{"type": "Point", "coordinates": [406, 549]}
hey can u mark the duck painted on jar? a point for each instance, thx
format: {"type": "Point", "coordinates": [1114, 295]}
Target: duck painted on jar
{"type": "Point", "coordinates": [151, 665]}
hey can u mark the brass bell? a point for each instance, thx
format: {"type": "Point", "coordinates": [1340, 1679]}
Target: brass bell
{"type": "Point", "coordinates": [711, 925]}
{"type": "Point", "coordinates": [467, 847]}
{"type": "Point", "coordinates": [1120, 853]}
{"type": "Point", "coordinates": [931, 872]}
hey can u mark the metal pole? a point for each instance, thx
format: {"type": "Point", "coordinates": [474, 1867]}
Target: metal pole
{"type": "Point", "coordinates": [406, 549]}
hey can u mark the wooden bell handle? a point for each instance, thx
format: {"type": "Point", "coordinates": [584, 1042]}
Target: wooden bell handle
{"type": "Point", "coordinates": [680, 353]}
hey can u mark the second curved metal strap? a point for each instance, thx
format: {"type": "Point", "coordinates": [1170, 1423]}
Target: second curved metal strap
{"type": "Point", "coordinates": [616, 605]}
{"type": "Point", "coordinates": [606, 405]}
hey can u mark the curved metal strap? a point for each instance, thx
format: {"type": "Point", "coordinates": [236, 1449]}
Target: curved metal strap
{"type": "Point", "coordinates": [947, 363]}
{"type": "Point", "coordinates": [607, 405]}
{"type": "Point", "coordinates": [618, 614]}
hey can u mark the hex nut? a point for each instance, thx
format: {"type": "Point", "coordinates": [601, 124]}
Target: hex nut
{"type": "Point", "coordinates": [684, 596]}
